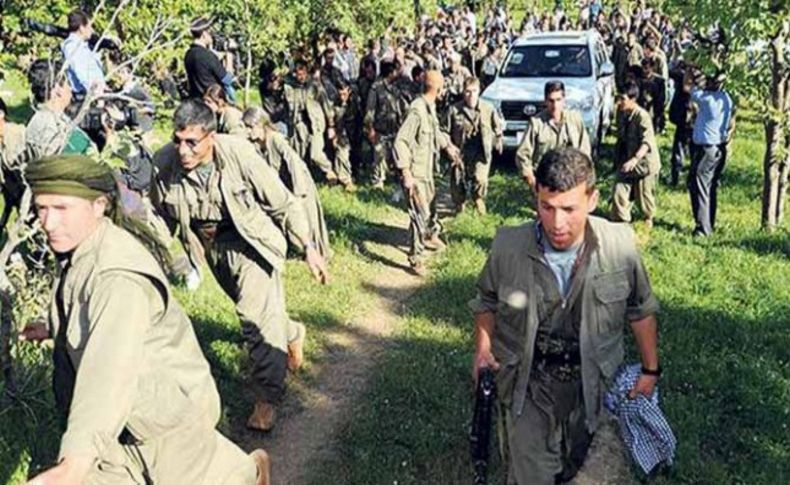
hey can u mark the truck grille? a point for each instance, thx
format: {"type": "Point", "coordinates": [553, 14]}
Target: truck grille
{"type": "Point", "coordinates": [514, 110]}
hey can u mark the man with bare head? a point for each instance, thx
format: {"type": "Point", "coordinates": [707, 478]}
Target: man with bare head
{"type": "Point", "coordinates": [416, 153]}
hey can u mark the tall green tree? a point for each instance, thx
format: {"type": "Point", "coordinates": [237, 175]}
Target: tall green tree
{"type": "Point", "coordinates": [757, 60]}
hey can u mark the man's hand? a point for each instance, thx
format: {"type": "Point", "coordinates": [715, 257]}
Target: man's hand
{"type": "Point", "coordinates": [629, 165]}
{"type": "Point", "coordinates": [499, 146]}
{"type": "Point", "coordinates": [644, 385]}
{"type": "Point", "coordinates": [35, 332]}
{"type": "Point", "coordinates": [331, 133]}
{"type": "Point", "coordinates": [483, 358]}
{"type": "Point", "coordinates": [317, 265]}
{"type": "Point", "coordinates": [408, 181]}
{"type": "Point", "coordinates": [529, 178]}
{"type": "Point", "coordinates": [455, 154]}
{"type": "Point", "coordinates": [70, 471]}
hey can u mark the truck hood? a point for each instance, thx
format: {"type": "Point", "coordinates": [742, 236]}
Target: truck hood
{"type": "Point", "coordinates": [531, 89]}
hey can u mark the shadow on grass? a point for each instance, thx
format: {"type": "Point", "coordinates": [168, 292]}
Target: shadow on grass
{"type": "Point", "coordinates": [777, 244]}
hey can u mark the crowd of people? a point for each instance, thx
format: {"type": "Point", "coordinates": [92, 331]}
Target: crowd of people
{"type": "Point", "coordinates": [238, 188]}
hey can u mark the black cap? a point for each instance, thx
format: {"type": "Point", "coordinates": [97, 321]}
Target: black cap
{"type": "Point", "coordinates": [200, 25]}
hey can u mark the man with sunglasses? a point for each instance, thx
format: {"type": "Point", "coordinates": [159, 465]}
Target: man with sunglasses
{"type": "Point", "coordinates": [232, 207]}
{"type": "Point", "coordinates": [551, 129]}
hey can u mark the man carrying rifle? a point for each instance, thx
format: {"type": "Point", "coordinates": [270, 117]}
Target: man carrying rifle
{"type": "Point", "coordinates": [552, 301]}
{"type": "Point", "coordinates": [417, 148]}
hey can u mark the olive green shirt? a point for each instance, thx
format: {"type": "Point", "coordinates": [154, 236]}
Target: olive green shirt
{"type": "Point", "coordinates": [634, 130]}
{"type": "Point", "coordinates": [419, 140]}
{"type": "Point", "coordinates": [478, 125]}
{"type": "Point", "coordinates": [12, 146]}
{"type": "Point", "coordinates": [307, 103]}
{"type": "Point", "coordinates": [281, 156]}
{"type": "Point", "coordinates": [230, 122]}
{"type": "Point", "coordinates": [261, 208]}
{"type": "Point", "coordinates": [515, 284]}
{"type": "Point", "coordinates": [47, 133]}
{"type": "Point", "coordinates": [137, 363]}
{"type": "Point", "coordinates": [385, 109]}
{"type": "Point", "coordinates": [543, 134]}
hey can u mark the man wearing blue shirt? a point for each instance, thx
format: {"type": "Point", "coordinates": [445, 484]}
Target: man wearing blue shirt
{"type": "Point", "coordinates": [84, 68]}
{"type": "Point", "coordinates": [708, 150]}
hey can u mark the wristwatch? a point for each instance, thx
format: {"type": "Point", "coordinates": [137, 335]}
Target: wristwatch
{"type": "Point", "coordinates": [652, 372]}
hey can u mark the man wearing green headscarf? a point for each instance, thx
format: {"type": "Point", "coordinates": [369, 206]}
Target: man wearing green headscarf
{"type": "Point", "coordinates": [131, 383]}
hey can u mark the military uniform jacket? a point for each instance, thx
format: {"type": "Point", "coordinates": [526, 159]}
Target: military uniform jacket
{"type": "Point", "coordinates": [635, 129]}
{"type": "Point", "coordinates": [135, 358]}
{"type": "Point", "coordinates": [385, 109]}
{"type": "Point", "coordinates": [12, 146]}
{"type": "Point", "coordinates": [419, 140]}
{"type": "Point", "coordinates": [294, 173]}
{"type": "Point", "coordinates": [259, 205]}
{"type": "Point", "coordinates": [615, 289]}
{"type": "Point", "coordinates": [230, 122]}
{"type": "Point", "coordinates": [543, 135]}
{"type": "Point", "coordinates": [482, 122]}
{"type": "Point", "coordinates": [308, 100]}
{"type": "Point", "coordinates": [47, 133]}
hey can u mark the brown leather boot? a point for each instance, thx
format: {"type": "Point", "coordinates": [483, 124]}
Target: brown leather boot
{"type": "Point", "coordinates": [262, 417]}
{"type": "Point", "coordinates": [264, 466]}
{"type": "Point", "coordinates": [296, 349]}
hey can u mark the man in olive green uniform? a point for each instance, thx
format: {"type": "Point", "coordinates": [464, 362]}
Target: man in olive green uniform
{"type": "Point", "coordinates": [309, 119]}
{"type": "Point", "coordinates": [553, 128]}
{"type": "Point", "coordinates": [552, 301]}
{"type": "Point", "coordinates": [347, 112]}
{"type": "Point", "coordinates": [417, 148]}
{"type": "Point", "coordinates": [281, 156]}
{"type": "Point", "coordinates": [636, 159]}
{"type": "Point", "coordinates": [12, 149]}
{"type": "Point", "coordinates": [131, 382]}
{"type": "Point", "coordinates": [230, 204]}
{"type": "Point", "coordinates": [384, 114]}
{"type": "Point", "coordinates": [476, 128]}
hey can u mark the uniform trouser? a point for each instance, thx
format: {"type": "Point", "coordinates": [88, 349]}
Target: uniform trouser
{"type": "Point", "coordinates": [197, 454]}
{"type": "Point", "coordinates": [549, 439]}
{"type": "Point", "coordinates": [343, 162]}
{"type": "Point", "coordinates": [680, 151]}
{"type": "Point", "coordinates": [258, 292]}
{"type": "Point", "coordinates": [423, 218]}
{"type": "Point", "coordinates": [707, 164]}
{"type": "Point", "coordinates": [382, 158]}
{"type": "Point", "coordinates": [310, 146]}
{"type": "Point", "coordinates": [472, 177]}
{"type": "Point", "coordinates": [624, 193]}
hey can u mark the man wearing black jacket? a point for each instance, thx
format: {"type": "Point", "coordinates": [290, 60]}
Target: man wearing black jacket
{"type": "Point", "coordinates": [679, 115]}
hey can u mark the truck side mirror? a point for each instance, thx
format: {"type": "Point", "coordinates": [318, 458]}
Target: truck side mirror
{"type": "Point", "coordinates": [607, 69]}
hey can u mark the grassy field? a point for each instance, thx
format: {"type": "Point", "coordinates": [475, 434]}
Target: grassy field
{"type": "Point", "coordinates": [725, 340]}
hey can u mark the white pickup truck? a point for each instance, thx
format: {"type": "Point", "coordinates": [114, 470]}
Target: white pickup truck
{"type": "Point", "coordinates": [578, 59]}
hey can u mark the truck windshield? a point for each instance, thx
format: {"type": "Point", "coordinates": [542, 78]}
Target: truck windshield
{"type": "Point", "coordinates": [548, 61]}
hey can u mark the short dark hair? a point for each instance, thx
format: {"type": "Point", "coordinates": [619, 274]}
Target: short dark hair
{"type": "Point", "coordinates": [562, 170]}
{"type": "Point", "coordinates": [417, 71]}
{"type": "Point", "coordinates": [300, 64]}
{"type": "Point", "coordinates": [386, 68]}
{"type": "Point", "coordinates": [553, 87]}
{"type": "Point", "coordinates": [76, 19]}
{"type": "Point", "coordinates": [194, 112]}
{"type": "Point", "coordinates": [630, 90]}
{"type": "Point", "coordinates": [42, 75]}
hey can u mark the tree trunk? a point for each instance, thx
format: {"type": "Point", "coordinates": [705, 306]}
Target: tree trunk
{"type": "Point", "coordinates": [777, 158]}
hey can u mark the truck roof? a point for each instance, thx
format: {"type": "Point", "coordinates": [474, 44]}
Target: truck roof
{"type": "Point", "coordinates": [556, 38]}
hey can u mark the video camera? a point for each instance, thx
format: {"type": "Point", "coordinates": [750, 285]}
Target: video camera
{"type": "Point", "coordinates": [53, 30]}
{"type": "Point", "coordinates": [224, 43]}
{"type": "Point", "coordinates": [116, 114]}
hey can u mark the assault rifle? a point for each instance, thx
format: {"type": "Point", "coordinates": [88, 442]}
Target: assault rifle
{"type": "Point", "coordinates": [480, 436]}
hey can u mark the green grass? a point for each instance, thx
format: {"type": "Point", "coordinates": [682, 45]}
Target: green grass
{"type": "Point", "coordinates": [725, 343]}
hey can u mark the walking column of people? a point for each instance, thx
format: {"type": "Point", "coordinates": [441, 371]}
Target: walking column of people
{"type": "Point", "coordinates": [238, 188]}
